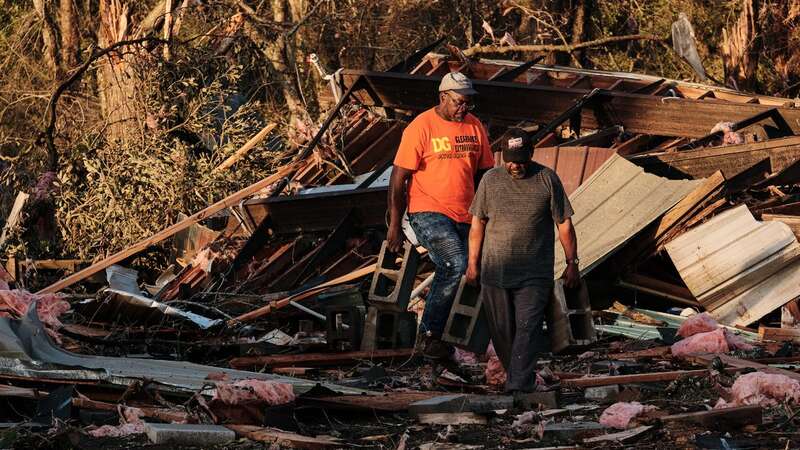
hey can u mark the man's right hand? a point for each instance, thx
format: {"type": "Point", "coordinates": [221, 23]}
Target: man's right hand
{"type": "Point", "coordinates": [395, 239]}
{"type": "Point", "coordinates": [472, 275]}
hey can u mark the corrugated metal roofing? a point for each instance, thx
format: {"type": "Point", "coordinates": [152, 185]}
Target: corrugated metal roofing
{"type": "Point", "coordinates": [614, 204]}
{"type": "Point", "coordinates": [740, 269]}
{"type": "Point", "coordinates": [572, 164]}
{"type": "Point", "coordinates": [26, 350]}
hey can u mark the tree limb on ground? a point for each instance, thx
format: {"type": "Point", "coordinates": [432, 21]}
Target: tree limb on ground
{"type": "Point", "coordinates": [483, 49]}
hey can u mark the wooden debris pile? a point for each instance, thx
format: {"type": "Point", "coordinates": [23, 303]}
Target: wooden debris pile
{"type": "Point", "coordinates": [681, 234]}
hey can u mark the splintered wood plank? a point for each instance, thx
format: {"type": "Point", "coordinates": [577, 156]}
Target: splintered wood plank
{"type": "Point", "coordinates": [462, 418]}
{"type": "Point", "coordinates": [14, 216]}
{"type": "Point", "coordinates": [390, 402]}
{"type": "Point", "coordinates": [720, 418]}
{"type": "Point", "coordinates": [779, 334]}
{"type": "Point", "coordinates": [621, 436]}
{"type": "Point", "coordinates": [737, 363]}
{"type": "Point", "coordinates": [227, 202]}
{"type": "Point", "coordinates": [243, 150]}
{"type": "Point", "coordinates": [285, 439]}
{"type": "Point", "coordinates": [628, 379]}
{"type": "Point", "coordinates": [264, 310]}
{"type": "Point", "coordinates": [306, 359]}
{"type": "Point", "coordinates": [731, 159]}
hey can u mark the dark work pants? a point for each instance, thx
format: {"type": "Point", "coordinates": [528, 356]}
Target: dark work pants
{"type": "Point", "coordinates": [515, 322]}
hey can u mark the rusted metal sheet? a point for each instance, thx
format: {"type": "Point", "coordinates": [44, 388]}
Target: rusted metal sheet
{"type": "Point", "coordinates": [572, 164]}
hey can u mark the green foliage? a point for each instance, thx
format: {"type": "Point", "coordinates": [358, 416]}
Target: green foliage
{"type": "Point", "coordinates": [116, 194]}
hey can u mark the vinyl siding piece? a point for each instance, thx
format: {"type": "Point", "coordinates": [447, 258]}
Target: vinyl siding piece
{"type": "Point", "coordinates": [737, 267]}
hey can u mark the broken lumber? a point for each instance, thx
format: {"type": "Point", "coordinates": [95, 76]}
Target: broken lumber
{"type": "Point", "coordinates": [736, 363]}
{"type": "Point", "coordinates": [228, 201]}
{"type": "Point", "coordinates": [628, 379]}
{"type": "Point", "coordinates": [779, 334]}
{"type": "Point", "coordinates": [319, 358]}
{"type": "Point", "coordinates": [391, 402]}
{"type": "Point", "coordinates": [14, 216]}
{"type": "Point", "coordinates": [249, 145]}
{"type": "Point", "coordinates": [635, 315]}
{"type": "Point", "coordinates": [461, 418]}
{"type": "Point", "coordinates": [720, 418]}
{"type": "Point", "coordinates": [285, 439]}
{"type": "Point", "coordinates": [277, 304]}
{"type": "Point", "coordinates": [164, 414]}
{"type": "Point", "coordinates": [655, 352]}
{"type": "Point", "coordinates": [621, 436]}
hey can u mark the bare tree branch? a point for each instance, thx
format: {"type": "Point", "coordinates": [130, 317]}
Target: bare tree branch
{"type": "Point", "coordinates": [483, 49]}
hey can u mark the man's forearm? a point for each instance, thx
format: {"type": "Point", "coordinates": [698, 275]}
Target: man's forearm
{"type": "Point", "coordinates": [476, 234]}
{"type": "Point", "coordinates": [397, 196]}
{"type": "Point", "coordinates": [569, 241]}
{"type": "Point", "coordinates": [397, 204]}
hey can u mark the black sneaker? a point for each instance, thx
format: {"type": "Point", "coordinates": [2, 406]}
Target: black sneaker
{"type": "Point", "coordinates": [434, 348]}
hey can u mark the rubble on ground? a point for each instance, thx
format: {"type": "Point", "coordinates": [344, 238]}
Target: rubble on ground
{"type": "Point", "coordinates": [281, 319]}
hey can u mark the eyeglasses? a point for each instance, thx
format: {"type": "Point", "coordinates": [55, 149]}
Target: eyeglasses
{"type": "Point", "coordinates": [467, 103]}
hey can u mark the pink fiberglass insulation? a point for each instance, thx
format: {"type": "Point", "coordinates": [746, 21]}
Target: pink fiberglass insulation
{"type": "Point", "coordinates": [729, 137]}
{"type": "Point", "coordinates": [495, 373]}
{"type": "Point", "coordinates": [244, 391]}
{"type": "Point", "coordinates": [464, 357]}
{"type": "Point", "coordinates": [619, 415]}
{"type": "Point", "coordinates": [15, 303]}
{"type": "Point", "coordinates": [132, 423]}
{"type": "Point", "coordinates": [765, 389]}
{"type": "Point", "coordinates": [717, 341]}
{"type": "Point", "coordinates": [698, 323]}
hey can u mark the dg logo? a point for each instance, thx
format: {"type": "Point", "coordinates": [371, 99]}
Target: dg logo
{"type": "Point", "coordinates": [441, 144]}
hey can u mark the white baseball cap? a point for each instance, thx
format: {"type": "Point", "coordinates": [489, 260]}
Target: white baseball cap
{"type": "Point", "coordinates": [458, 83]}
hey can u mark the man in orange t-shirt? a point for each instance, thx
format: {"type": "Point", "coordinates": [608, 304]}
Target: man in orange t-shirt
{"type": "Point", "coordinates": [441, 156]}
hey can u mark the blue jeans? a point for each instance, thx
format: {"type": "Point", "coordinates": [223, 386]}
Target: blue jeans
{"type": "Point", "coordinates": [446, 242]}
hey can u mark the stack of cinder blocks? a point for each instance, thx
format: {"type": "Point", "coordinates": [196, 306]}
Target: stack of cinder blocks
{"type": "Point", "coordinates": [569, 317]}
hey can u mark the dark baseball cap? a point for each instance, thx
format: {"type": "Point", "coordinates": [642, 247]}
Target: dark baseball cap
{"type": "Point", "coordinates": [516, 145]}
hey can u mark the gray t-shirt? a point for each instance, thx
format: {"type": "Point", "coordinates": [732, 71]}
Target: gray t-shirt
{"type": "Point", "coordinates": [520, 233]}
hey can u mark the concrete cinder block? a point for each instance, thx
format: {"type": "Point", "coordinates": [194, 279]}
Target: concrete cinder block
{"type": "Point", "coordinates": [188, 434]}
{"type": "Point", "coordinates": [457, 403]}
{"type": "Point", "coordinates": [443, 404]}
{"type": "Point", "coordinates": [571, 431]}
{"type": "Point", "coordinates": [533, 400]}
{"type": "Point", "coordinates": [602, 394]}
{"type": "Point", "coordinates": [392, 283]}
{"type": "Point", "coordinates": [467, 326]}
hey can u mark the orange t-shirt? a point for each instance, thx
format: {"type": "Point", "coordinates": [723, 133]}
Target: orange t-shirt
{"type": "Point", "coordinates": [444, 156]}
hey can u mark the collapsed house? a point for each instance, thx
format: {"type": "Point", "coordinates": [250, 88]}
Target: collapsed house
{"type": "Point", "coordinates": [685, 203]}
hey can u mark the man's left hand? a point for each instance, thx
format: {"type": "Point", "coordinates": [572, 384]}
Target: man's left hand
{"type": "Point", "coordinates": [571, 276]}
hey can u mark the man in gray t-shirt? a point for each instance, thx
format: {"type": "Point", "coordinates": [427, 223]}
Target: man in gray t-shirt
{"type": "Point", "coordinates": [511, 243]}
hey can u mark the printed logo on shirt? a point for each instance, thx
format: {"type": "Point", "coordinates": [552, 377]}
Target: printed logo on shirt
{"type": "Point", "coordinates": [441, 144]}
{"type": "Point", "coordinates": [464, 145]}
